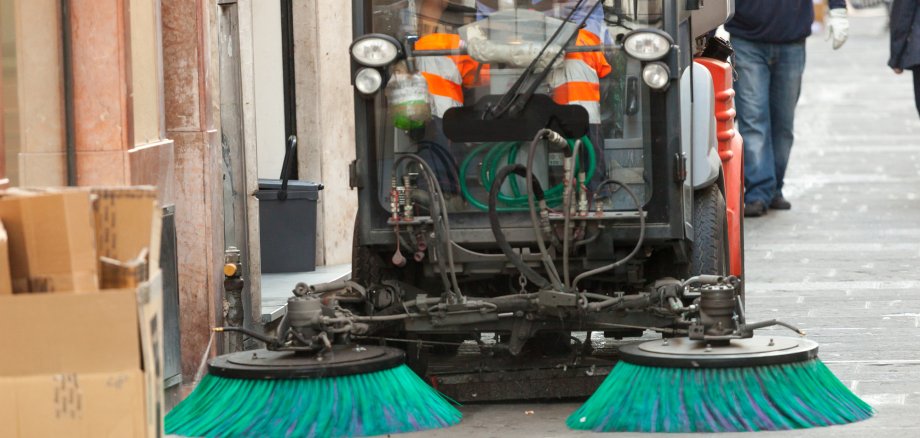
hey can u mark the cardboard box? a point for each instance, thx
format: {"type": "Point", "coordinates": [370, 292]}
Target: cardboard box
{"type": "Point", "coordinates": [6, 283]}
{"type": "Point", "coordinates": [150, 317]}
{"type": "Point", "coordinates": [90, 405]}
{"type": "Point", "coordinates": [107, 336]}
{"type": "Point", "coordinates": [69, 333]}
{"type": "Point", "coordinates": [83, 364]}
{"type": "Point", "coordinates": [127, 223]}
{"type": "Point", "coordinates": [51, 241]}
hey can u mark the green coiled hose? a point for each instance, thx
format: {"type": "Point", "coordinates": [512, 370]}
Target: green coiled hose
{"type": "Point", "coordinates": [500, 154]}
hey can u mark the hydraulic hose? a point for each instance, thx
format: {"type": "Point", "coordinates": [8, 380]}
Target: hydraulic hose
{"type": "Point", "coordinates": [439, 215]}
{"type": "Point", "coordinates": [635, 250]}
{"type": "Point", "coordinates": [500, 238]}
{"type": "Point", "coordinates": [538, 233]}
{"type": "Point", "coordinates": [493, 160]}
{"type": "Point", "coordinates": [567, 214]}
{"type": "Point", "coordinates": [440, 153]}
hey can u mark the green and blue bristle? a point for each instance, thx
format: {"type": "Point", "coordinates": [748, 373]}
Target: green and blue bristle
{"type": "Point", "coordinates": [382, 402]}
{"type": "Point", "coordinates": [637, 398]}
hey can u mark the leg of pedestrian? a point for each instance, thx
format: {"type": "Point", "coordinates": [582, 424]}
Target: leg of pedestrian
{"type": "Point", "coordinates": [916, 71]}
{"type": "Point", "coordinates": [752, 88]}
{"type": "Point", "coordinates": [785, 88]}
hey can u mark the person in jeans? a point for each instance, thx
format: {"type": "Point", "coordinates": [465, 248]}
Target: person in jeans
{"type": "Point", "coordinates": [905, 41]}
{"type": "Point", "coordinates": [768, 37]}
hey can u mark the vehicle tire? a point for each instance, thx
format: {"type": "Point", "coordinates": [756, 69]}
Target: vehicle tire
{"type": "Point", "coordinates": [709, 253]}
{"type": "Point", "coordinates": [367, 267]}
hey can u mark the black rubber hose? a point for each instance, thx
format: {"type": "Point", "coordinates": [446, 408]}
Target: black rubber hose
{"type": "Point", "coordinates": [443, 155]}
{"type": "Point", "coordinates": [500, 239]}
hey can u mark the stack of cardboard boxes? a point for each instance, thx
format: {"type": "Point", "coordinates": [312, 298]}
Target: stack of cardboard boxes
{"type": "Point", "coordinates": [80, 313]}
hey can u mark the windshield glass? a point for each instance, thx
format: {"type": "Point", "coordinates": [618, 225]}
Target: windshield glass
{"type": "Point", "coordinates": [490, 54]}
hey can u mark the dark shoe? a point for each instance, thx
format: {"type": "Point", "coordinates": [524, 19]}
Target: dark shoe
{"type": "Point", "coordinates": [755, 209]}
{"type": "Point", "coordinates": [780, 203]}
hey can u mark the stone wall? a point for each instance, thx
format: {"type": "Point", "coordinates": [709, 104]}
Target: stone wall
{"type": "Point", "coordinates": [325, 119]}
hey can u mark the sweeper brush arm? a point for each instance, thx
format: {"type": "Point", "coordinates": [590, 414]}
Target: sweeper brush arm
{"type": "Point", "coordinates": [316, 318]}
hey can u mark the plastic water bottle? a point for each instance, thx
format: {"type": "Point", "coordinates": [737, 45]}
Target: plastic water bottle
{"type": "Point", "coordinates": [407, 94]}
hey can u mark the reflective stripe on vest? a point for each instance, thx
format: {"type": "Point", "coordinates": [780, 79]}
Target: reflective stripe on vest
{"type": "Point", "coordinates": [439, 86]}
{"type": "Point", "coordinates": [446, 75]}
{"type": "Point", "coordinates": [574, 91]}
{"type": "Point", "coordinates": [577, 82]}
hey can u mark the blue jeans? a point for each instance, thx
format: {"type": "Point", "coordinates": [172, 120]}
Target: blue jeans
{"type": "Point", "coordinates": [767, 90]}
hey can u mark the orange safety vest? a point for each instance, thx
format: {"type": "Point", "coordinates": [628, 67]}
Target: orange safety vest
{"type": "Point", "coordinates": [446, 75]}
{"type": "Point", "coordinates": [578, 81]}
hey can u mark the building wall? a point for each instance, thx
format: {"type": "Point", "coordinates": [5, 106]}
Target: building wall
{"type": "Point", "coordinates": [146, 111]}
{"type": "Point", "coordinates": [188, 84]}
{"type": "Point", "coordinates": [133, 124]}
{"type": "Point", "coordinates": [269, 87]}
{"type": "Point", "coordinates": [9, 108]}
{"type": "Point", "coordinates": [41, 159]}
{"type": "Point", "coordinates": [325, 119]}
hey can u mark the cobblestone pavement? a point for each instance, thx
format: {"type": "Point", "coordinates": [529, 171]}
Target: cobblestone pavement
{"type": "Point", "coordinates": [844, 263]}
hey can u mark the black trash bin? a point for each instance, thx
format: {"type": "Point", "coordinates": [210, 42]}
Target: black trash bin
{"type": "Point", "coordinates": [287, 220]}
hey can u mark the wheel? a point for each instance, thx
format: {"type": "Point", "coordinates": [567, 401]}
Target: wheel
{"type": "Point", "coordinates": [367, 267]}
{"type": "Point", "coordinates": [709, 253]}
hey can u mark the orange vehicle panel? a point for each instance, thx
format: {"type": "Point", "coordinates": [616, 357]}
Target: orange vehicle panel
{"type": "Point", "coordinates": [731, 150]}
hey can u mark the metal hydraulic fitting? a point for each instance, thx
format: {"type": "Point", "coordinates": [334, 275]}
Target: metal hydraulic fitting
{"type": "Point", "coordinates": [394, 203]}
{"type": "Point", "coordinates": [544, 218]}
{"type": "Point", "coordinates": [582, 195]}
{"type": "Point", "coordinates": [408, 207]}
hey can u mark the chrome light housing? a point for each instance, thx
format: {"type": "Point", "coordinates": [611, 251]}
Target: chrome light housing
{"type": "Point", "coordinates": [368, 80]}
{"type": "Point", "coordinates": [647, 44]}
{"type": "Point", "coordinates": [375, 50]}
{"type": "Point", "coordinates": [656, 75]}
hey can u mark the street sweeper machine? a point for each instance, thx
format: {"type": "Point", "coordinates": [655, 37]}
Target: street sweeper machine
{"type": "Point", "coordinates": [550, 198]}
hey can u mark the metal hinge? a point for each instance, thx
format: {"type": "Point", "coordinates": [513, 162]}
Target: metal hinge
{"type": "Point", "coordinates": [680, 174]}
{"type": "Point", "coordinates": [354, 180]}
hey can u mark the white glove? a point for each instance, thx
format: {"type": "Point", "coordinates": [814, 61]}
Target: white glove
{"type": "Point", "coordinates": [838, 27]}
{"type": "Point", "coordinates": [518, 55]}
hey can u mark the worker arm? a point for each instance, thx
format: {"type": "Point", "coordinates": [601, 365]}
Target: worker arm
{"type": "Point", "coordinates": [596, 60]}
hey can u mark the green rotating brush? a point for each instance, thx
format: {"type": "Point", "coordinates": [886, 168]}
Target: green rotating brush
{"type": "Point", "coordinates": [311, 381]}
{"type": "Point", "coordinates": [754, 384]}
{"type": "Point", "coordinates": [352, 391]}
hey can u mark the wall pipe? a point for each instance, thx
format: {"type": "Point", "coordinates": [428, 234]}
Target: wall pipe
{"type": "Point", "coordinates": [69, 123]}
{"type": "Point", "coordinates": [288, 75]}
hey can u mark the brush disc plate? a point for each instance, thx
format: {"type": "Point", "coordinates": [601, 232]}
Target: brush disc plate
{"type": "Point", "coordinates": [344, 360]}
{"type": "Point", "coordinates": [686, 353]}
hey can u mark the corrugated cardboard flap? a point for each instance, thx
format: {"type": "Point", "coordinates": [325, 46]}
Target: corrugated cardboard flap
{"type": "Point", "coordinates": [74, 333]}
{"type": "Point", "coordinates": [51, 239]}
{"type": "Point", "coordinates": [90, 405]}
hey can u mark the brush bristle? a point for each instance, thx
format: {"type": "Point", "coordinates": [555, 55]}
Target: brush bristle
{"type": "Point", "coordinates": [638, 398]}
{"type": "Point", "coordinates": [389, 401]}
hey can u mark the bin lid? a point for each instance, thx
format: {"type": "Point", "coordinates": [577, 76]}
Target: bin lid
{"type": "Point", "coordinates": [293, 185]}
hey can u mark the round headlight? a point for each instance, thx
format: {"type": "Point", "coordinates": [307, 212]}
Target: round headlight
{"type": "Point", "coordinates": [368, 80]}
{"type": "Point", "coordinates": [374, 51]}
{"type": "Point", "coordinates": [656, 75]}
{"type": "Point", "coordinates": [647, 45]}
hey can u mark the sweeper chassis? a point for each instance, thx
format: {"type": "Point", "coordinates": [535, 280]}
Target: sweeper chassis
{"type": "Point", "coordinates": [320, 335]}
{"type": "Point", "coordinates": [480, 307]}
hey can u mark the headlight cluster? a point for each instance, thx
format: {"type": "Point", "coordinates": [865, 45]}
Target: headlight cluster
{"type": "Point", "coordinates": [650, 45]}
{"type": "Point", "coordinates": [656, 75]}
{"type": "Point", "coordinates": [374, 52]}
{"type": "Point", "coordinates": [368, 80]}
{"type": "Point", "coordinates": [647, 44]}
